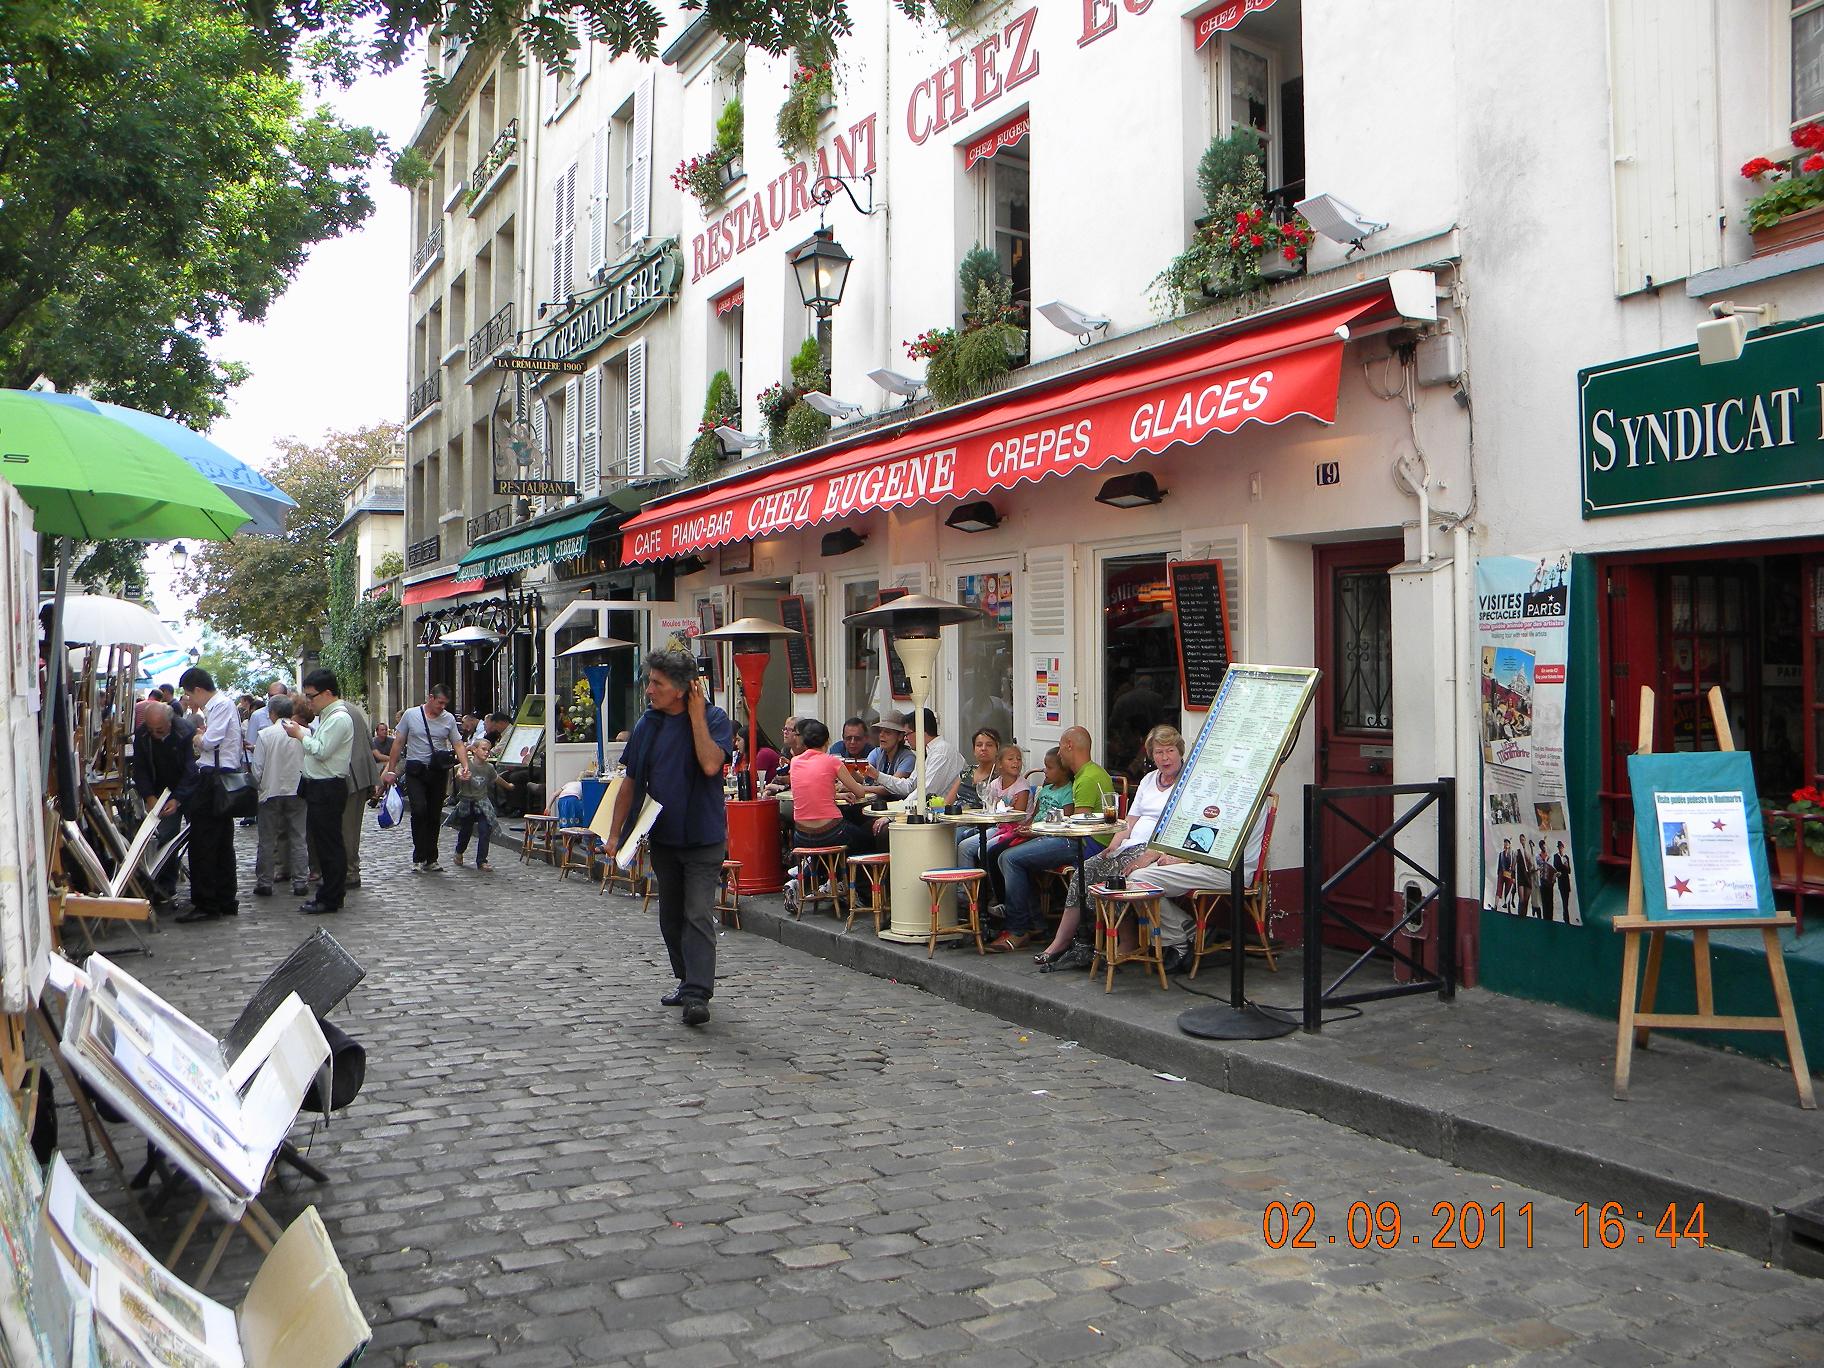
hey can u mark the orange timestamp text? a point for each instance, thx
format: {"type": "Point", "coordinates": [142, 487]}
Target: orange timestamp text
{"type": "Point", "coordinates": [1467, 1225]}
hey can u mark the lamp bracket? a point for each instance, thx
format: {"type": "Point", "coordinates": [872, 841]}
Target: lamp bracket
{"type": "Point", "coordinates": [824, 189]}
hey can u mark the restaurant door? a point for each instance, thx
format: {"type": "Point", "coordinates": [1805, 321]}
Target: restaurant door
{"type": "Point", "coordinates": [1354, 715]}
{"type": "Point", "coordinates": [1139, 654]}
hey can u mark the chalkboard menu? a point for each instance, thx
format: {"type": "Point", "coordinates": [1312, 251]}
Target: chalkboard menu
{"type": "Point", "coordinates": [1202, 629]}
{"type": "Point", "coordinates": [896, 668]}
{"type": "Point", "coordinates": [800, 653]}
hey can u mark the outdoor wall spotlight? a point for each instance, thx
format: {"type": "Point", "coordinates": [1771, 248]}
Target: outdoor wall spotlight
{"type": "Point", "coordinates": [1074, 321]}
{"type": "Point", "coordinates": [735, 441]}
{"type": "Point", "coordinates": [842, 541]}
{"type": "Point", "coordinates": [832, 408]}
{"type": "Point", "coordinates": [1137, 489]}
{"type": "Point", "coordinates": [974, 517]}
{"type": "Point", "coordinates": [1722, 337]}
{"type": "Point", "coordinates": [689, 565]}
{"type": "Point", "coordinates": [895, 383]}
{"type": "Point", "coordinates": [1338, 221]}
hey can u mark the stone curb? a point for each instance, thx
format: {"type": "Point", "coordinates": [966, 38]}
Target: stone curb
{"type": "Point", "coordinates": [1502, 1145]}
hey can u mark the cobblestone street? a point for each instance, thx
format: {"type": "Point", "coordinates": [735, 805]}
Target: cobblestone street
{"type": "Point", "coordinates": [546, 1167]}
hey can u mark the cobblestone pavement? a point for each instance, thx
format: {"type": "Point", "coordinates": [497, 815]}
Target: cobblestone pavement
{"type": "Point", "coordinates": [546, 1167]}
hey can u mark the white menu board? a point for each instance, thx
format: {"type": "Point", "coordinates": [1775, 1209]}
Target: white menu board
{"type": "Point", "coordinates": [1230, 769]}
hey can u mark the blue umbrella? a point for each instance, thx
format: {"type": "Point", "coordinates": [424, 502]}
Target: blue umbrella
{"type": "Point", "coordinates": [262, 501]}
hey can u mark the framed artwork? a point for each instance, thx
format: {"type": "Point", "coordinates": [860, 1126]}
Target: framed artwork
{"type": "Point", "coordinates": [22, 558]}
{"type": "Point", "coordinates": [738, 559]}
{"type": "Point", "coordinates": [32, 934]}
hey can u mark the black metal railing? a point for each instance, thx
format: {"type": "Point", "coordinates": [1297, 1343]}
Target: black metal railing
{"type": "Point", "coordinates": [426, 552]}
{"type": "Point", "coordinates": [428, 249]}
{"type": "Point", "coordinates": [1430, 895]}
{"type": "Point", "coordinates": [499, 152]}
{"type": "Point", "coordinates": [491, 336]}
{"type": "Point", "coordinates": [492, 521]}
{"type": "Point", "coordinates": [424, 396]}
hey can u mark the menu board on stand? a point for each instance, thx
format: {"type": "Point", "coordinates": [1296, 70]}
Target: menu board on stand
{"type": "Point", "coordinates": [897, 677]}
{"type": "Point", "coordinates": [800, 654]}
{"type": "Point", "coordinates": [1201, 627]}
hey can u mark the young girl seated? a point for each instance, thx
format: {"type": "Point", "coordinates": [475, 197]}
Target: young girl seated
{"type": "Point", "coordinates": [1048, 805]}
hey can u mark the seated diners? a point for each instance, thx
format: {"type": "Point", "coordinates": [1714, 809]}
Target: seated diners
{"type": "Point", "coordinates": [891, 755]}
{"type": "Point", "coordinates": [943, 763]}
{"type": "Point", "coordinates": [1090, 786]}
{"type": "Point", "coordinates": [1177, 879]}
{"type": "Point", "coordinates": [855, 743]}
{"type": "Point", "coordinates": [1127, 852]}
{"type": "Point", "coordinates": [819, 780]}
{"type": "Point", "coordinates": [1008, 791]}
{"type": "Point", "coordinates": [972, 779]}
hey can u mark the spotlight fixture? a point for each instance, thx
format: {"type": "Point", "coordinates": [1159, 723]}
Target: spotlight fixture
{"type": "Point", "coordinates": [1081, 325]}
{"type": "Point", "coordinates": [1137, 489]}
{"type": "Point", "coordinates": [734, 441]}
{"type": "Point", "coordinates": [832, 408]}
{"type": "Point", "coordinates": [895, 383]}
{"type": "Point", "coordinates": [974, 517]}
{"type": "Point", "coordinates": [689, 565]}
{"type": "Point", "coordinates": [842, 541]}
{"type": "Point", "coordinates": [1722, 337]}
{"type": "Point", "coordinates": [1338, 221]}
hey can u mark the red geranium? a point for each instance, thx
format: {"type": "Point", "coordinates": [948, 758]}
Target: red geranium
{"type": "Point", "coordinates": [1758, 167]}
{"type": "Point", "coordinates": [1809, 136]}
{"type": "Point", "coordinates": [1815, 162]}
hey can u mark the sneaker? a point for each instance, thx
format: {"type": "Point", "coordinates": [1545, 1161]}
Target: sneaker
{"type": "Point", "coordinates": [300, 890]}
{"type": "Point", "coordinates": [675, 998]}
{"type": "Point", "coordinates": [793, 899]}
{"type": "Point", "coordinates": [696, 1012]}
{"type": "Point", "coordinates": [418, 868]}
{"type": "Point", "coordinates": [262, 890]}
{"type": "Point", "coordinates": [432, 867]}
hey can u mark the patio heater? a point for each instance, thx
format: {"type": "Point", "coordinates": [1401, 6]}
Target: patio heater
{"type": "Point", "coordinates": [464, 639]}
{"type": "Point", "coordinates": [753, 820]}
{"type": "Point", "coordinates": [597, 675]}
{"type": "Point", "coordinates": [915, 623]}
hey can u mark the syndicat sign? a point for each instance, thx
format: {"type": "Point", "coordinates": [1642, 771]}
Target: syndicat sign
{"type": "Point", "coordinates": [1663, 431]}
{"type": "Point", "coordinates": [632, 293]}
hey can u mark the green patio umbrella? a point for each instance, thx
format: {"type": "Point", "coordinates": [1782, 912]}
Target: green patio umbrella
{"type": "Point", "coordinates": [90, 478]}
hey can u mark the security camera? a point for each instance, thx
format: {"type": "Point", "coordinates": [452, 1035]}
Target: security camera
{"type": "Point", "coordinates": [833, 408]}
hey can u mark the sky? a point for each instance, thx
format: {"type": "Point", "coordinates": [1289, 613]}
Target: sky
{"type": "Point", "coordinates": [330, 354]}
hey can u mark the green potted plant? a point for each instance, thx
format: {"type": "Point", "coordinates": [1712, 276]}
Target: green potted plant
{"type": "Point", "coordinates": [800, 427]}
{"type": "Point", "coordinates": [774, 402]}
{"type": "Point", "coordinates": [1785, 822]}
{"type": "Point", "coordinates": [1790, 211]}
{"type": "Point", "coordinates": [813, 90]}
{"type": "Point", "coordinates": [1238, 243]}
{"type": "Point", "coordinates": [721, 408]}
{"type": "Point", "coordinates": [965, 361]}
{"type": "Point", "coordinates": [707, 176]}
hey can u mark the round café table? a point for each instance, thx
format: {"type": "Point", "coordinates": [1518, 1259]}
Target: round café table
{"type": "Point", "coordinates": [1077, 833]}
{"type": "Point", "coordinates": [978, 817]}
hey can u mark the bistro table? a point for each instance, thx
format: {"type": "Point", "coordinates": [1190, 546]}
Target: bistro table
{"type": "Point", "coordinates": [1077, 833]}
{"type": "Point", "coordinates": [987, 821]}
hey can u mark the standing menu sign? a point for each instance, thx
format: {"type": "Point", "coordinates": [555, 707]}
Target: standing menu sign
{"type": "Point", "coordinates": [1250, 730]}
{"type": "Point", "coordinates": [800, 655]}
{"type": "Point", "coordinates": [897, 678]}
{"type": "Point", "coordinates": [1201, 626]}
{"type": "Point", "coordinates": [1703, 851]}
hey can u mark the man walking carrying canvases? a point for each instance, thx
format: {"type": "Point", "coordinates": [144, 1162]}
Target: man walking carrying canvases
{"type": "Point", "coordinates": [676, 755]}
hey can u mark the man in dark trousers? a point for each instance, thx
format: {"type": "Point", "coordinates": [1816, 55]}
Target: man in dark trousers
{"type": "Point", "coordinates": [163, 758]}
{"type": "Point", "coordinates": [676, 755]}
{"type": "Point", "coordinates": [325, 786]}
{"type": "Point", "coordinates": [219, 745]}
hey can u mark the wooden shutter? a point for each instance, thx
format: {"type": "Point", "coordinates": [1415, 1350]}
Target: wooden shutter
{"type": "Point", "coordinates": [1664, 141]}
{"type": "Point", "coordinates": [572, 412]}
{"type": "Point", "coordinates": [598, 202]}
{"type": "Point", "coordinates": [563, 235]}
{"type": "Point", "coordinates": [640, 215]}
{"type": "Point", "coordinates": [589, 477]}
{"type": "Point", "coordinates": [636, 410]}
{"type": "Point", "coordinates": [1050, 620]}
{"type": "Point", "coordinates": [535, 417]}
{"type": "Point", "coordinates": [1228, 545]}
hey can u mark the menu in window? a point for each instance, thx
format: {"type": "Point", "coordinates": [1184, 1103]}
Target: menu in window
{"type": "Point", "coordinates": [1201, 626]}
{"type": "Point", "coordinates": [897, 677]}
{"type": "Point", "coordinates": [1253, 722]}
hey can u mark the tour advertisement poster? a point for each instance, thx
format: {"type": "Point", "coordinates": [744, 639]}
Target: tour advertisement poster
{"type": "Point", "coordinates": [1522, 646]}
{"type": "Point", "coordinates": [1703, 850]}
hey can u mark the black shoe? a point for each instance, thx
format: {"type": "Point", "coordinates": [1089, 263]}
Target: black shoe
{"type": "Point", "coordinates": [231, 911]}
{"type": "Point", "coordinates": [1177, 960]}
{"type": "Point", "coordinates": [263, 891]}
{"type": "Point", "coordinates": [313, 908]}
{"type": "Point", "coordinates": [1077, 956]}
{"type": "Point", "coordinates": [675, 998]}
{"type": "Point", "coordinates": [696, 1012]}
{"type": "Point", "coordinates": [196, 914]}
{"type": "Point", "coordinates": [300, 890]}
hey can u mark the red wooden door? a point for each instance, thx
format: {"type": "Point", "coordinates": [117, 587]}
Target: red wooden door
{"type": "Point", "coordinates": [1354, 709]}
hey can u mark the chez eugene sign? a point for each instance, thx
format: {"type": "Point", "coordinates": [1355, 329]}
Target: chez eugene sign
{"type": "Point", "coordinates": [1662, 431]}
{"type": "Point", "coordinates": [970, 462]}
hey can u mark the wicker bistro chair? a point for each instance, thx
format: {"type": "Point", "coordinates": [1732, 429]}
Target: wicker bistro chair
{"type": "Point", "coordinates": [822, 876]}
{"type": "Point", "coordinates": [1205, 903]}
{"type": "Point", "coordinates": [539, 838]}
{"type": "Point", "coordinates": [576, 850]}
{"type": "Point", "coordinates": [968, 886]}
{"type": "Point", "coordinates": [728, 894]}
{"type": "Point", "coordinates": [869, 891]}
{"type": "Point", "coordinates": [1114, 906]}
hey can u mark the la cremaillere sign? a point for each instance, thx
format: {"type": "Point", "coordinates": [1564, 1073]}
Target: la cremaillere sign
{"type": "Point", "coordinates": [1662, 431]}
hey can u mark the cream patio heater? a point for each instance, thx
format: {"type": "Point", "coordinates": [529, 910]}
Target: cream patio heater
{"type": "Point", "coordinates": [915, 623]}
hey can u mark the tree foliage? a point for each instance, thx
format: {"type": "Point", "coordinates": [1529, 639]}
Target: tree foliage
{"type": "Point", "coordinates": [237, 670]}
{"type": "Point", "coordinates": [273, 592]}
{"type": "Point", "coordinates": [158, 176]}
{"type": "Point", "coordinates": [354, 621]}
{"type": "Point", "coordinates": [110, 567]}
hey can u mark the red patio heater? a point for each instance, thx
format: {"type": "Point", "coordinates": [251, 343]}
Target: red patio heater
{"type": "Point", "coordinates": [753, 822]}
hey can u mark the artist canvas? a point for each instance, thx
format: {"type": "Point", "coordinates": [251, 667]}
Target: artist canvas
{"type": "Point", "coordinates": [25, 920]}
{"type": "Point", "coordinates": [22, 608]}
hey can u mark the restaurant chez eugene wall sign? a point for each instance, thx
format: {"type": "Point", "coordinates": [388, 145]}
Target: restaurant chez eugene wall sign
{"type": "Point", "coordinates": [1662, 431]}
{"type": "Point", "coordinates": [632, 293]}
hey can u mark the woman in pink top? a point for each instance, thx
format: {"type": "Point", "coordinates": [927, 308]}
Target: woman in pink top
{"type": "Point", "coordinates": [816, 777]}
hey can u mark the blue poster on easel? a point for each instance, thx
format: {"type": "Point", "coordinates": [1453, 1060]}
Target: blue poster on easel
{"type": "Point", "coordinates": [1703, 851]}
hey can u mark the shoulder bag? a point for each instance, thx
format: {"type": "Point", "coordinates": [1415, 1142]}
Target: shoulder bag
{"type": "Point", "coordinates": [233, 794]}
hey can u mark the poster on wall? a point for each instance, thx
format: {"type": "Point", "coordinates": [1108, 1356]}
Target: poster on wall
{"type": "Point", "coordinates": [1522, 646]}
{"type": "Point", "coordinates": [1047, 689]}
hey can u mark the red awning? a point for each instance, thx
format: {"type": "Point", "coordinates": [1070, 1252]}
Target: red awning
{"type": "Point", "coordinates": [1224, 17]}
{"type": "Point", "coordinates": [443, 587]}
{"type": "Point", "coordinates": [731, 299]}
{"type": "Point", "coordinates": [1267, 373]}
{"type": "Point", "coordinates": [997, 139]}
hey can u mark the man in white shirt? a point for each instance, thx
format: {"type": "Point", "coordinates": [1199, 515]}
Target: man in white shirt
{"type": "Point", "coordinates": [943, 762]}
{"type": "Point", "coordinates": [278, 765]}
{"type": "Point", "coordinates": [218, 751]}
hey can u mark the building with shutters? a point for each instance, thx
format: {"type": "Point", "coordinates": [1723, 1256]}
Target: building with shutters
{"type": "Point", "coordinates": [1549, 203]}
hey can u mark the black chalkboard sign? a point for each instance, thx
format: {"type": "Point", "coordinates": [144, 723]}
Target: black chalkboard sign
{"type": "Point", "coordinates": [1202, 630]}
{"type": "Point", "coordinates": [897, 677]}
{"type": "Point", "coordinates": [800, 655]}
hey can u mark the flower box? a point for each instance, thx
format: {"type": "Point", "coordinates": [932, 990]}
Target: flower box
{"type": "Point", "coordinates": [1792, 231]}
{"type": "Point", "coordinates": [1272, 265]}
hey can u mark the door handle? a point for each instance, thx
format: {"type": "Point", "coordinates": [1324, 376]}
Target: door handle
{"type": "Point", "coordinates": [1377, 767]}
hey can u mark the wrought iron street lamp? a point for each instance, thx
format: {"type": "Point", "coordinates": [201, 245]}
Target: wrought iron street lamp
{"type": "Point", "coordinates": [822, 268]}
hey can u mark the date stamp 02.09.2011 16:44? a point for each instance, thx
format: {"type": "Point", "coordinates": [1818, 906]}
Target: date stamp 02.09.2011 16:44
{"type": "Point", "coordinates": [1473, 1225]}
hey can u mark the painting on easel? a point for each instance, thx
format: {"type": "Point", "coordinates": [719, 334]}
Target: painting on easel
{"type": "Point", "coordinates": [1703, 852]}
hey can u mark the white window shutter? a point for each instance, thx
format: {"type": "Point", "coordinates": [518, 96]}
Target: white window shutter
{"type": "Point", "coordinates": [636, 410]}
{"type": "Point", "coordinates": [535, 416]}
{"type": "Point", "coordinates": [591, 471]}
{"type": "Point", "coordinates": [584, 50]}
{"type": "Point", "coordinates": [563, 227]}
{"type": "Point", "coordinates": [1050, 618]}
{"type": "Point", "coordinates": [641, 216]}
{"type": "Point", "coordinates": [572, 412]}
{"type": "Point", "coordinates": [598, 203]}
{"type": "Point", "coordinates": [1230, 546]}
{"type": "Point", "coordinates": [1664, 141]}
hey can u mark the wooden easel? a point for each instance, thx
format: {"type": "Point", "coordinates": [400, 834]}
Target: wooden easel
{"type": "Point", "coordinates": [1635, 1025]}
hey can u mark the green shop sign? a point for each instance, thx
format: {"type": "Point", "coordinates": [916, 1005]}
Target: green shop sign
{"type": "Point", "coordinates": [1662, 431]}
{"type": "Point", "coordinates": [632, 293]}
